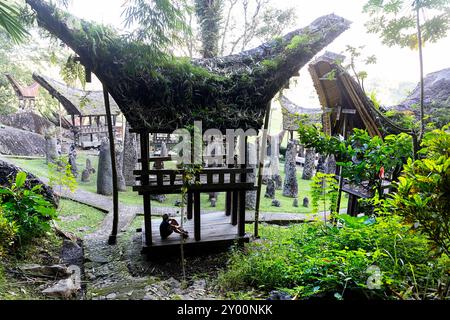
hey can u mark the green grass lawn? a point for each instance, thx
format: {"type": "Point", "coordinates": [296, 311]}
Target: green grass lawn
{"type": "Point", "coordinates": [78, 218]}
{"type": "Point", "coordinates": [39, 168]}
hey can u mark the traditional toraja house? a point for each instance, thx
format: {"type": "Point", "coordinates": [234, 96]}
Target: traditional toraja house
{"type": "Point", "coordinates": [345, 107]}
{"type": "Point", "coordinates": [27, 95]}
{"type": "Point", "coordinates": [232, 92]}
{"type": "Point", "coordinates": [85, 108]}
{"type": "Point", "coordinates": [292, 114]}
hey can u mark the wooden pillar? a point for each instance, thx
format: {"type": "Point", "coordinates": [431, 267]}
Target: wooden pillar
{"type": "Point", "coordinates": [228, 203]}
{"type": "Point", "coordinates": [262, 156]}
{"type": "Point", "coordinates": [74, 129]}
{"type": "Point", "coordinates": [234, 207]}
{"type": "Point", "coordinates": [242, 193]}
{"type": "Point", "coordinates": [197, 221]}
{"type": "Point", "coordinates": [113, 236]}
{"type": "Point", "coordinates": [189, 205]}
{"type": "Point", "coordinates": [90, 126]}
{"type": "Point", "coordinates": [341, 180]}
{"type": "Point", "coordinates": [144, 141]}
{"type": "Point", "coordinates": [352, 206]}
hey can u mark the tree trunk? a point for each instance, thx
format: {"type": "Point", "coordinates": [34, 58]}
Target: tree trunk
{"type": "Point", "coordinates": [209, 14]}
{"type": "Point", "coordinates": [422, 108]}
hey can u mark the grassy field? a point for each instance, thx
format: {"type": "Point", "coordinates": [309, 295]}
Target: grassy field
{"type": "Point", "coordinates": [78, 218]}
{"type": "Point", "coordinates": [39, 168]}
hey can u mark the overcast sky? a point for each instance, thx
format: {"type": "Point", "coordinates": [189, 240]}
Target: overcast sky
{"type": "Point", "coordinates": [394, 64]}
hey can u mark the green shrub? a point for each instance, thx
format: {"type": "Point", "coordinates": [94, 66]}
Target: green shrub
{"type": "Point", "coordinates": [362, 157]}
{"type": "Point", "coordinates": [423, 190]}
{"type": "Point", "coordinates": [8, 231]}
{"type": "Point", "coordinates": [26, 208]}
{"type": "Point", "coordinates": [311, 259]}
{"type": "Point", "coordinates": [324, 187]}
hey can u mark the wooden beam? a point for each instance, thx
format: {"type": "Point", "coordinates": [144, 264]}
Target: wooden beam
{"type": "Point", "coordinates": [262, 155]}
{"type": "Point", "coordinates": [234, 207]}
{"type": "Point", "coordinates": [144, 141]}
{"type": "Point", "coordinates": [228, 204]}
{"type": "Point", "coordinates": [197, 221]}
{"type": "Point", "coordinates": [189, 205]}
{"type": "Point", "coordinates": [113, 237]}
{"type": "Point", "coordinates": [242, 194]}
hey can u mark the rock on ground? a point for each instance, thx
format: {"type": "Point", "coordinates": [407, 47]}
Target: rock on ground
{"type": "Point", "coordinates": [270, 189]}
{"type": "Point", "coordinates": [56, 271]}
{"type": "Point", "coordinates": [65, 288]}
{"type": "Point", "coordinates": [20, 142]}
{"type": "Point", "coordinates": [121, 185]}
{"type": "Point", "coordinates": [51, 149]}
{"type": "Point", "coordinates": [309, 167]}
{"type": "Point", "coordinates": [290, 188]}
{"type": "Point", "coordinates": [130, 156]}
{"type": "Point", "coordinates": [104, 171]}
{"type": "Point", "coordinates": [27, 121]}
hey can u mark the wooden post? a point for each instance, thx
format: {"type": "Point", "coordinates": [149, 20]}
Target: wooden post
{"type": "Point", "coordinates": [113, 237]}
{"type": "Point", "coordinates": [234, 207]}
{"type": "Point", "coordinates": [189, 205]}
{"type": "Point", "coordinates": [197, 222]}
{"type": "Point", "coordinates": [228, 203]}
{"type": "Point", "coordinates": [90, 126]}
{"type": "Point", "coordinates": [341, 181]}
{"type": "Point", "coordinates": [242, 193]}
{"type": "Point", "coordinates": [262, 155]}
{"type": "Point", "coordinates": [74, 131]}
{"type": "Point", "coordinates": [144, 142]}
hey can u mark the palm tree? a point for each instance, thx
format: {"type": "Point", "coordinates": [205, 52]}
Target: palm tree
{"type": "Point", "coordinates": [10, 21]}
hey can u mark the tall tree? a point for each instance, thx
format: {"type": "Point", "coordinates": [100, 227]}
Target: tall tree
{"type": "Point", "coordinates": [250, 21]}
{"type": "Point", "coordinates": [356, 57]}
{"type": "Point", "coordinates": [406, 24]}
{"type": "Point", "coordinates": [159, 23]}
{"type": "Point", "coordinates": [242, 24]}
{"type": "Point", "coordinates": [209, 15]}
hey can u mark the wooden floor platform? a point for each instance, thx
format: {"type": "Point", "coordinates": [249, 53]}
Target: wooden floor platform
{"type": "Point", "coordinates": [217, 233]}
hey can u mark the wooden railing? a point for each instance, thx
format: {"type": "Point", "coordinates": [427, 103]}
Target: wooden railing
{"type": "Point", "coordinates": [166, 181]}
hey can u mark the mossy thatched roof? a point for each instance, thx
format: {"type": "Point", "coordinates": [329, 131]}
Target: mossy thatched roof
{"type": "Point", "coordinates": [293, 113]}
{"type": "Point", "coordinates": [76, 101]}
{"type": "Point", "coordinates": [224, 92]}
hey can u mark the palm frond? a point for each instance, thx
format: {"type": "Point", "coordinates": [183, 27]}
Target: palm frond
{"type": "Point", "coordinates": [10, 21]}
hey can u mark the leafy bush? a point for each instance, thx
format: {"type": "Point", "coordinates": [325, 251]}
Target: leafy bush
{"type": "Point", "coordinates": [8, 232]}
{"type": "Point", "coordinates": [27, 209]}
{"type": "Point", "coordinates": [314, 259]}
{"type": "Point", "coordinates": [60, 174]}
{"type": "Point", "coordinates": [324, 187]}
{"type": "Point", "coordinates": [362, 157]}
{"type": "Point", "coordinates": [423, 190]}
{"type": "Point", "coordinates": [404, 119]}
